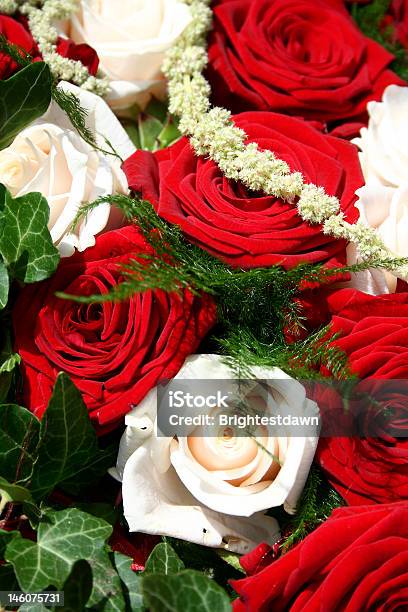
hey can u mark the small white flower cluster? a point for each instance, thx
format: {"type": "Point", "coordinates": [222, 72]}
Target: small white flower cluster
{"type": "Point", "coordinates": [8, 7]}
{"type": "Point", "coordinates": [315, 205]}
{"type": "Point", "coordinates": [370, 245]}
{"type": "Point", "coordinates": [41, 16]}
{"type": "Point", "coordinates": [196, 33]}
{"type": "Point", "coordinates": [185, 61]}
{"type": "Point", "coordinates": [213, 133]}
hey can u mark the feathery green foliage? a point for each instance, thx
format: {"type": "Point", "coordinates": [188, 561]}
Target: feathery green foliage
{"type": "Point", "coordinates": [177, 264]}
{"type": "Point", "coordinates": [255, 306]}
{"type": "Point", "coordinates": [369, 19]}
{"type": "Point", "coordinates": [69, 103]}
{"type": "Point", "coordinates": [302, 359]}
{"type": "Point", "coordinates": [16, 53]}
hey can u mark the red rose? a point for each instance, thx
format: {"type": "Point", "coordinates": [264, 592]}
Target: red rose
{"type": "Point", "coordinates": [259, 558]}
{"type": "Point", "coordinates": [398, 21]}
{"type": "Point", "coordinates": [373, 332]}
{"type": "Point", "coordinates": [368, 470]}
{"type": "Point", "coordinates": [114, 353]}
{"type": "Point", "coordinates": [356, 560]}
{"type": "Point", "coordinates": [82, 53]}
{"type": "Point", "coordinates": [244, 228]}
{"type": "Point", "coordinates": [16, 34]}
{"type": "Point", "coordinates": [297, 57]}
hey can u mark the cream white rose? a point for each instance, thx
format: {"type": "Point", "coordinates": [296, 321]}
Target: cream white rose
{"type": "Point", "coordinates": [214, 490]}
{"type": "Point", "coordinates": [383, 201]}
{"type": "Point", "coordinates": [50, 157]}
{"type": "Point", "coordinates": [131, 38]}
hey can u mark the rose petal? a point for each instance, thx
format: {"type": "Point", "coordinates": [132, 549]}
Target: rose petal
{"type": "Point", "coordinates": [158, 503]}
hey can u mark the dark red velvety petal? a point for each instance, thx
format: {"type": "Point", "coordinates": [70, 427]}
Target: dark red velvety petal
{"type": "Point", "coordinates": [366, 470]}
{"type": "Point", "coordinates": [257, 559]}
{"type": "Point", "coordinates": [357, 553]}
{"type": "Point", "coordinates": [248, 229]}
{"type": "Point", "coordinates": [81, 53]}
{"type": "Point", "coordinates": [17, 34]}
{"type": "Point", "coordinates": [114, 353]}
{"type": "Point", "coordinates": [372, 331]}
{"type": "Point", "coordinates": [297, 57]}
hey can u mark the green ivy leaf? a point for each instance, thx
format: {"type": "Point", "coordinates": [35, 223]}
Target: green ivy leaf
{"type": "Point", "coordinates": [12, 493]}
{"type": "Point", "coordinates": [102, 510]}
{"type": "Point", "coordinates": [8, 362]}
{"type": "Point", "coordinates": [63, 538]}
{"type": "Point", "coordinates": [69, 443]}
{"type": "Point", "coordinates": [16, 494]}
{"type": "Point", "coordinates": [77, 587]}
{"type": "Point", "coordinates": [163, 560]}
{"type": "Point", "coordinates": [25, 242]}
{"type": "Point", "coordinates": [5, 538]}
{"type": "Point", "coordinates": [23, 98]}
{"type": "Point", "coordinates": [91, 472]}
{"type": "Point", "coordinates": [8, 580]}
{"type": "Point", "coordinates": [205, 560]}
{"type": "Point", "coordinates": [32, 512]}
{"type": "Point", "coordinates": [107, 591]}
{"type": "Point", "coordinates": [34, 607]}
{"type": "Point", "coordinates": [4, 285]}
{"type": "Point", "coordinates": [132, 582]}
{"type": "Point", "coordinates": [19, 436]}
{"type": "Point", "coordinates": [187, 591]}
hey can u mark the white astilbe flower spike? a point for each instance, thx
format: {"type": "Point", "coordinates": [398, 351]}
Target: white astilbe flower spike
{"type": "Point", "coordinates": [212, 133]}
{"type": "Point", "coordinates": [41, 21]}
{"type": "Point", "coordinates": [8, 6]}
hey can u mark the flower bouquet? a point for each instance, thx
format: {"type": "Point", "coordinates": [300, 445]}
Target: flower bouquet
{"type": "Point", "coordinates": [204, 305]}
